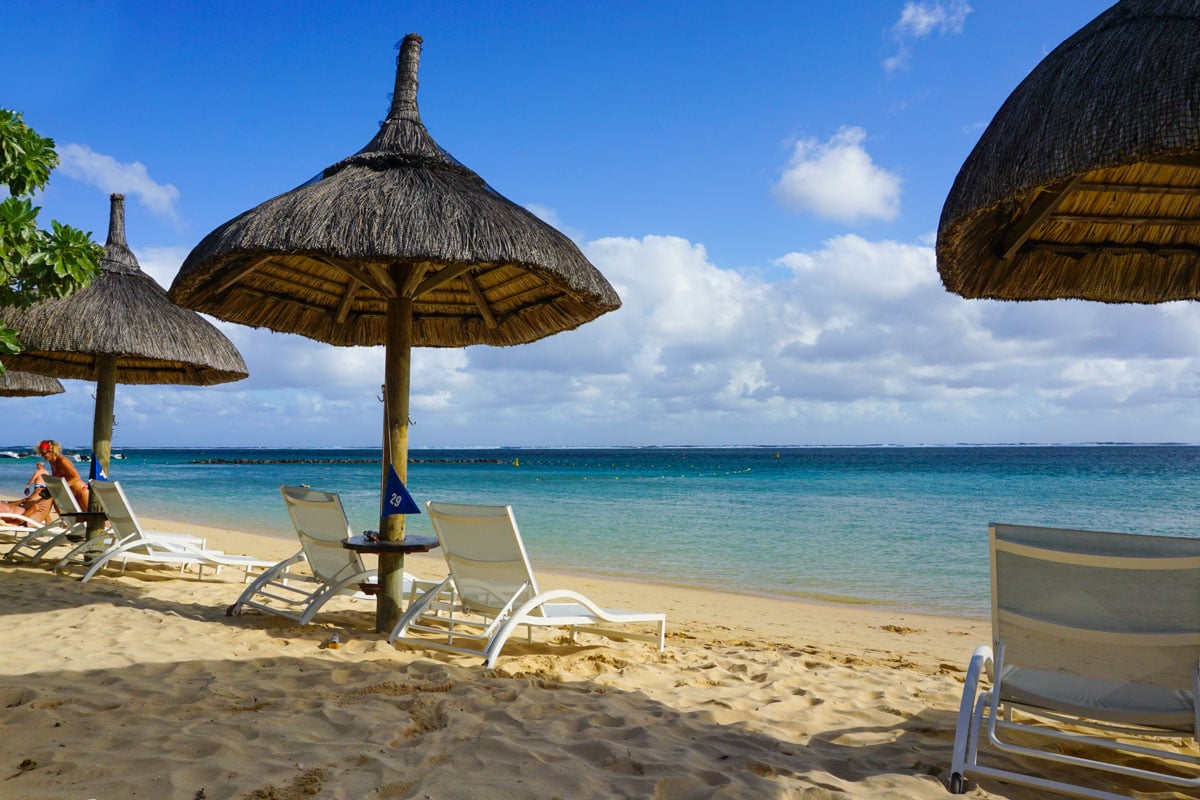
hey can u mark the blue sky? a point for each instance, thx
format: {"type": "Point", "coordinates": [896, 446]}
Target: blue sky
{"type": "Point", "coordinates": [761, 182]}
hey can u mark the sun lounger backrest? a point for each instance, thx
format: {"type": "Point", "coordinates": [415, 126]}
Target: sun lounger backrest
{"type": "Point", "coordinates": [116, 509]}
{"type": "Point", "coordinates": [484, 553]}
{"type": "Point", "coordinates": [321, 524]}
{"type": "Point", "coordinates": [1110, 606]}
{"type": "Point", "coordinates": [64, 498]}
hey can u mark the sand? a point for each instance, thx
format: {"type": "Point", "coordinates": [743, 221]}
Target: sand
{"type": "Point", "coordinates": [138, 685]}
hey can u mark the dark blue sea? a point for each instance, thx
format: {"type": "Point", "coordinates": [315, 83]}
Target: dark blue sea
{"type": "Point", "coordinates": [891, 526]}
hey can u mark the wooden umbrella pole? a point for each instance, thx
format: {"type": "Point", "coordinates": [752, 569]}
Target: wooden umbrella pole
{"type": "Point", "coordinates": [397, 362]}
{"type": "Point", "coordinates": [385, 456]}
{"type": "Point", "coordinates": [102, 425]}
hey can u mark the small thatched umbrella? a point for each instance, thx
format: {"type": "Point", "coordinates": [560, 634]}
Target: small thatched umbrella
{"type": "Point", "coordinates": [402, 245]}
{"type": "Point", "coordinates": [1086, 184]}
{"type": "Point", "coordinates": [28, 384]}
{"type": "Point", "coordinates": [120, 329]}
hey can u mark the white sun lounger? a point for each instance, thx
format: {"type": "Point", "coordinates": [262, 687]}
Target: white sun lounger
{"type": "Point", "coordinates": [36, 542]}
{"type": "Point", "coordinates": [299, 586]}
{"type": "Point", "coordinates": [1099, 632]}
{"type": "Point", "coordinates": [14, 525]}
{"type": "Point", "coordinates": [125, 541]}
{"type": "Point", "coordinates": [493, 592]}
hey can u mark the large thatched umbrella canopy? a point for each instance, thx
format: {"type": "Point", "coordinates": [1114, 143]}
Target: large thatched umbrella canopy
{"type": "Point", "coordinates": [120, 329]}
{"type": "Point", "coordinates": [402, 245]}
{"type": "Point", "coordinates": [401, 217]}
{"type": "Point", "coordinates": [1086, 184]}
{"type": "Point", "coordinates": [28, 384]}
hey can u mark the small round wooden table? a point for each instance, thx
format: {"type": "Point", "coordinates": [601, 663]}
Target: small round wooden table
{"type": "Point", "coordinates": [411, 544]}
{"type": "Point", "coordinates": [383, 547]}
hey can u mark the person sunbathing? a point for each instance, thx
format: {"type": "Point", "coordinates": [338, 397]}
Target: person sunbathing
{"type": "Point", "coordinates": [36, 504]}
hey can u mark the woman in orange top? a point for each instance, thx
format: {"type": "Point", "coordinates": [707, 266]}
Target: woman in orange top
{"type": "Point", "coordinates": [61, 467]}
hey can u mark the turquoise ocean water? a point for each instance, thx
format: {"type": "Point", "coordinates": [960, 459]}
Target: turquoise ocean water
{"type": "Point", "coordinates": [894, 526]}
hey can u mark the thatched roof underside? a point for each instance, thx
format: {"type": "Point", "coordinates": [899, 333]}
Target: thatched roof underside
{"type": "Point", "coordinates": [14, 383]}
{"type": "Point", "coordinates": [123, 313]}
{"type": "Point", "coordinates": [1086, 184]}
{"type": "Point", "coordinates": [399, 218]}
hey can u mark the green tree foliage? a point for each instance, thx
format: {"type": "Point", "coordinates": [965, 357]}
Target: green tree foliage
{"type": "Point", "coordinates": [35, 264]}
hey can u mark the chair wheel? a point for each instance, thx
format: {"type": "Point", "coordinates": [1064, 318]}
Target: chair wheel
{"type": "Point", "coordinates": [957, 784]}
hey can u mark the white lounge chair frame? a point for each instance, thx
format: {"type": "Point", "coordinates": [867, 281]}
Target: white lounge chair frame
{"type": "Point", "coordinates": [36, 543]}
{"type": "Point", "coordinates": [300, 585]}
{"type": "Point", "coordinates": [1099, 631]}
{"type": "Point", "coordinates": [18, 526]}
{"type": "Point", "coordinates": [12, 523]}
{"type": "Point", "coordinates": [491, 591]}
{"type": "Point", "coordinates": [124, 540]}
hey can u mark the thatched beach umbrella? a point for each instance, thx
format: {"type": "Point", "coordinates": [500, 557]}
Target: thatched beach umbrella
{"type": "Point", "coordinates": [120, 329]}
{"type": "Point", "coordinates": [1086, 184]}
{"type": "Point", "coordinates": [14, 383]}
{"type": "Point", "coordinates": [401, 245]}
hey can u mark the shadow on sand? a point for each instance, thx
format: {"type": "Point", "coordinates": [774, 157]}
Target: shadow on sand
{"type": "Point", "coordinates": [384, 723]}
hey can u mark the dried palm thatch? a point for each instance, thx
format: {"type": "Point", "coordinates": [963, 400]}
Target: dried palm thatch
{"type": "Point", "coordinates": [124, 314]}
{"type": "Point", "coordinates": [400, 217]}
{"type": "Point", "coordinates": [27, 384]}
{"type": "Point", "coordinates": [1086, 184]}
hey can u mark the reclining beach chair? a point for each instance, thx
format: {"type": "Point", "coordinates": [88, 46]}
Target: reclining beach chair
{"type": "Point", "coordinates": [13, 524]}
{"type": "Point", "coordinates": [71, 528]}
{"type": "Point", "coordinates": [297, 587]}
{"type": "Point", "coordinates": [19, 526]}
{"type": "Point", "coordinates": [494, 592]}
{"type": "Point", "coordinates": [35, 543]}
{"type": "Point", "coordinates": [1099, 632]}
{"type": "Point", "coordinates": [125, 541]}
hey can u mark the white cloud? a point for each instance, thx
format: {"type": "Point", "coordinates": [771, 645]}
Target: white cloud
{"type": "Point", "coordinates": [854, 341]}
{"type": "Point", "coordinates": [852, 268]}
{"type": "Point", "coordinates": [899, 61]}
{"type": "Point", "coordinates": [161, 263]}
{"type": "Point", "coordinates": [550, 217]}
{"type": "Point", "coordinates": [80, 162]}
{"type": "Point", "coordinates": [838, 180]}
{"type": "Point", "coordinates": [919, 21]}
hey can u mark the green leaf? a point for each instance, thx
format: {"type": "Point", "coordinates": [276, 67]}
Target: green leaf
{"type": "Point", "coordinates": [26, 158]}
{"type": "Point", "coordinates": [9, 346]}
{"type": "Point", "coordinates": [36, 265]}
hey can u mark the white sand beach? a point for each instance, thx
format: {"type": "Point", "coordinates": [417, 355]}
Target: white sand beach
{"type": "Point", "coordinates": [139, 686]}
